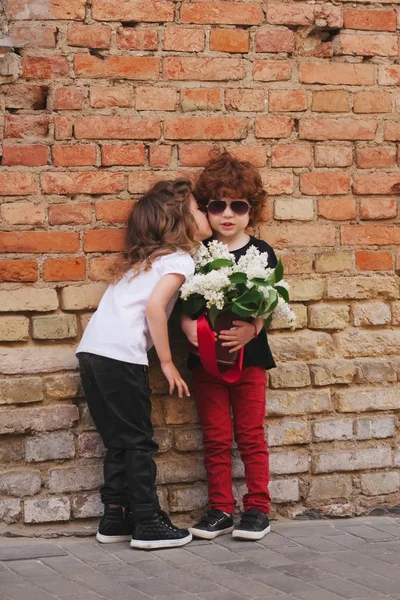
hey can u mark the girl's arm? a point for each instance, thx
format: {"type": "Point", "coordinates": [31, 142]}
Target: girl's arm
{"type": "Point", "coordinates": [158, 327]}
{"type": "Point", "coordinates": [189, 328]}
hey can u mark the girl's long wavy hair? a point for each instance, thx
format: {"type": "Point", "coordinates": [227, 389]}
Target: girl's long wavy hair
{"type": "Point", "coordinates": [226, 175]}
{"type": "Point", "coordinates": [160, 223]}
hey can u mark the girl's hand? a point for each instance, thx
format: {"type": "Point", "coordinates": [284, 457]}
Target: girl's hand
{"type": "Point", "coordinates": [174, 378]}
{"type": "Point", "coordinates": [189, 328]}
{"type": "Point", "coordinates": [239, 336]}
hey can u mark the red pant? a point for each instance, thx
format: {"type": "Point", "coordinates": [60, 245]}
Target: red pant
{"type": "Point", "coordinates": [214, 399]}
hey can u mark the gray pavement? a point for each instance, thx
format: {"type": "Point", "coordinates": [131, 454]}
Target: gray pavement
{"type": "Point", "coordinates": [303, 560]}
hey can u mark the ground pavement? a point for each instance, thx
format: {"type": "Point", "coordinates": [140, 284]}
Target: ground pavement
{"type": "Point", "coordinates": [307, 560]}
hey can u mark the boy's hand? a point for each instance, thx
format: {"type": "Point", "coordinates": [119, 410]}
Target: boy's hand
{"type": "Point", "coordinates": [239, 336]}
{"type": "Point", "coordinates": [174, 379]}
{"type": "Point", "coordinates": [189, 328]}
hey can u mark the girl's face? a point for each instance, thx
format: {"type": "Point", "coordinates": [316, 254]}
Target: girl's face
{"type": "Point", "coordinates": [203, 226]}
{"type": "Point", "coordinates": [233, 219]}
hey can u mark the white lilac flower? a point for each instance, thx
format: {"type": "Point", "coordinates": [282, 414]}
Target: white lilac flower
{"type": "Point", "coordinates": [285, 313]}
{"type": "Point", "coordinates": [219, 250]}
{"type": "Point", "coordinates": [284, 284]}
{"type": "Point", "coordinates": [202, 256]}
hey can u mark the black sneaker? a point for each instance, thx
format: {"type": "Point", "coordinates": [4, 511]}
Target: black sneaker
{"type": "Point", "coordinates": [157, 531]}
{"type": "Point", "coordinates": [213, 524]}
{"type": "Point", "coordinates": [253, 525]}
{"type": "Point", "coordinates": [115, 525]}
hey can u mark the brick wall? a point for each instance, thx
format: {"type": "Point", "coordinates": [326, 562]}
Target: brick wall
{"type": "Point", "coordinates": [100, 100]}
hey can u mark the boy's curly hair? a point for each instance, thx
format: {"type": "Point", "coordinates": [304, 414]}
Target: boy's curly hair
{"type": "Point", "coordinates": [225, 175]}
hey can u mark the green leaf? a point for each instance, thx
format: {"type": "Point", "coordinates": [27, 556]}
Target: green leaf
{"type": "Point", "coordinates": [278, 271]}
{"type": "Point", "coordinates": [193, 305]}
{"type": "Point", "coordinates": [238, 277]}
{"type": "Point", "coordinates": [240, 310]}
{"type": "Point", "coordinates": [218, 263]}
{"type": "Point", "coordinates": [260, 281]}
{"type": "Point", "coordinates": [283, 292]}
{"type": "Point", "coordinates": [214, 312]}
{"type": "Point", "coordinates": [250, 295]}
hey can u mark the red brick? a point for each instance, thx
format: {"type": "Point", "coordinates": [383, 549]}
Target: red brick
{"type": "Point", "coordinates": [160, 156]}
{"type": "Point", "coordinates": [141, 181]}
{"type": "Point", "coordinates": [113, 211]}
{"type": "Point", "coordinates": [129, 38]}
{"type": "Point", "coordinates": [39, 241]}
{"type": "Point", "coordinates": [64, 269]}
{"type": "Point", "coordinates": [287, 100]}
{"type": "Point", "coordinates": [337, 209]}
{"type": "Point", "coordinates": [277, 182]}
{"type": "Point", "coordinates": [274, 39]}
{"type": "Point", "coordinates": [367, 44]}
{"type": "Point", "coordinates": [229, 40]}
{"type": "Point", "coordinates": [74, 156]}
{"type": "Point", "coordinates": [183, 39]}
{"type": "Point", "coordinates": [286, 155]}
{"type": "Point", "coordinates": [333, 156]}
{"type": "Point", "coordinates": [34, 155]}
{"type": "Point", "coordinates": [389, 75]}
{"type": "Point", "coordinates": [245, 100]}
{"type": "Point", "coordinates": [392, 131]}
{"type": "Point", "coordinates": [298, 236]}
{"type": "Point", "coordinates": [25, 126]}
{"type": "Point", "coordinates": [63, 128]}
{"type": "Point", "coordinates": [324, 15]}
{"type": "Point", "coordinates": [201, 99]}
{"type": "Point", "coordinates": [153, 11]}
{"type": "Point", "coordinates": [370, 235]}
{"type": "Point", "coordinates": [70, 214]}
{"type": "Point", "coordinates": [368, 260]}
{"type": "Point", "coordinates": [18, 270]}
{"type": "Point", "coordinates": [337, 129]}
{"type": "Point", "coordinates": [324, 182]}
{"type": "Point", "coordinates": [372, 102]}
{"type": "Point", "coordinates": [26, 96]}
{"type": "Point", "coordinates": [153, 98]}
{"type": "Point", "coordinates": [23, 213]}
{"type": "Point", "coordinates": [104, 240]}
{"type": "Point", "coordinates": [13, 183]}
{"type": "Point", "coordinates": [89, 36]}
{"type": "Point", "coordinates": [372, 20]}
{"type": "Point", "coordinates": [376, 158]}
{"type": "Point", "coordinates": [297, 263]}
{"type": "Point", "coordinates": [273, 127]}
{"type": "Point", "coordinates": [221, 13]}
{"type": "Point", "coordinates": [378, 208]}
{"type": "Point", "coordinates": [375, 183]}
{"type": "Point", "coordinates": [54, 9]}
{"type": "Point", "coordinates": [336, 73]}
{"type": "Point", "coordinates": [202, 69]}
{"type": "Point", "coordinates": [69, 98]}
{"type": "Point", "coordinates": [117, 128]}
{"type": "Point", "coordinates": [89, 182]}
{"type": "Point", "coordinates": [257, 155]}
{"type": "Point", "coordinates": [133, 154]}
{"type": "Point", "coordinates": [332, 101]}
{"type": "Point", "coordinates": [103, 268]}
{"type": "Point", "coordinates": [24, 36]}
{"type": "Point", "coordinates": [194, 155]}
{"type": "Point", "coordinates": [44, 67]}
{"type": "Point", "coordinates": [102, 96]}
{"type": "Point", "coordinates": [266, 70]}
{"type": "Point", "coordinates": [116, 67]}
{"type": "Point", "coordinates": [205, 128]}
{"type": "Point", "coordinates": [313, 46]}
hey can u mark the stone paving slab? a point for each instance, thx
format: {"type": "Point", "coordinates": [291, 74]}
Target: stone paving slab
{"type": "Point", "coordinates": [354, 559]}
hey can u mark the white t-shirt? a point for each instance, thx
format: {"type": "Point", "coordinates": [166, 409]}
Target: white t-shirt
{"type": "Point", "coordinates": [118, 329]}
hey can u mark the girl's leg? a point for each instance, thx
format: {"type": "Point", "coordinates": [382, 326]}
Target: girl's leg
{"type": "Point", "coordinates": [249, 405]}
{"type": "Point", "coordinates": [213, 405]}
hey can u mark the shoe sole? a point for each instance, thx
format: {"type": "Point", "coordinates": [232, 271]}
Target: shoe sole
{"type": "Point", "coordinates": [154, 544]}
{"type": "Point", "coordinates": [209, 535]}
{"type": "Point", "coordinates": [250, 535]}
{"type": "Point", "coordinates": [111, 539]}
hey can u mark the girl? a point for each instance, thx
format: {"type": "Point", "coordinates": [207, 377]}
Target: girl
{"type": "Point", "coordinates": [233, 194]}
{"type": "Point", "coordinates": [162, 230]}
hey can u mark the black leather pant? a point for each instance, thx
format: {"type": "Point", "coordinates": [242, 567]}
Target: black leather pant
{"type": "Point", "coordinates": [118, 396]}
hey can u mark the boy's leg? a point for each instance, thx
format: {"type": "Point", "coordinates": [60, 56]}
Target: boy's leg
{"type": "Point", "coordinates": [249, 405]}
{"type": "Point", "coordinates": [213, 405]}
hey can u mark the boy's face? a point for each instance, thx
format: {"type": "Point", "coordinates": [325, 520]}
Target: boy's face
{"type": "Point", "coordinates": [203, 226]}
{"type": "Point", "coordinates": [230, 222]}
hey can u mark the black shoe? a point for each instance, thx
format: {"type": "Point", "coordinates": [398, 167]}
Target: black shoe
{"type": "Point", "coordinates": [213, 524]}
{"type": "Point", "coordinates": [115, 525]}
{"type": "Point", "coordinates": [157, 531]}
{"type": "Point", "coordinates": [253, 525]}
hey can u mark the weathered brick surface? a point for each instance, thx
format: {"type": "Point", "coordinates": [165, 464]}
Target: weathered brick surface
{"type": "Point", "coordinates": [112, 97]}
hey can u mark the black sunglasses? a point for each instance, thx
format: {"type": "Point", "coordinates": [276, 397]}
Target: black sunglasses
{"type": "Point", "coordinates": [217, 207]}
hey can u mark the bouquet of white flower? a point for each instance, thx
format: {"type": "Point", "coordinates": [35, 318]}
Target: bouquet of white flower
{"type": "Point", "coordinates": [248, 288]}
